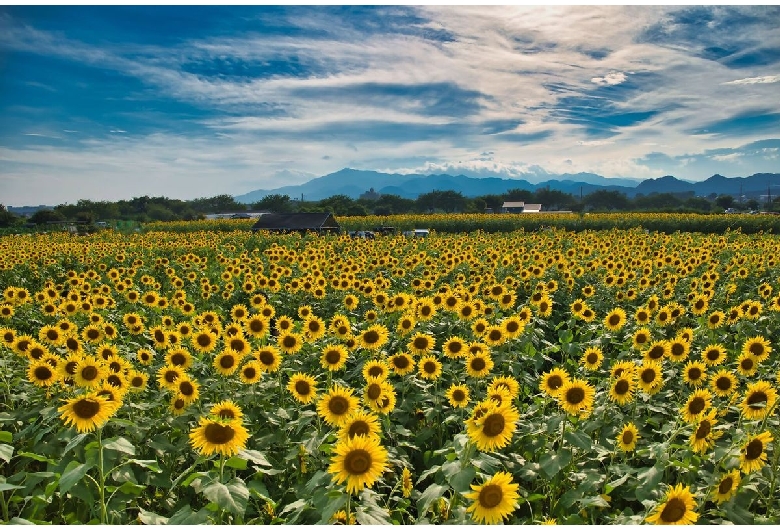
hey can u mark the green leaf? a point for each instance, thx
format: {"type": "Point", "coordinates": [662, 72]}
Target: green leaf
{"type": "Point", "coordinates": [19, 520]}
{"type": "Point", "coordinates": [74, 472]}
{"type": "Point", "coordinates": [120, 444]}
{"type": "Point", "coordinates": [8, 487]}
{"type": "Point", "coordinates": [297, 505]}
{"type": "Point", "coordinates": [431, 494]}
{"type": "Point", "coordinates": [151, 517]}
{"type": "Point", "coordinates": [6, 452]}
{"type": "Point", "coordinates": [185, 516]}
{"type": "Point", "coordinates": [648, 480]}
{"type": "Point", "coordinates": [231, 497]}
{"type": "Point", "coordinates": [552, 464]}
{"type": "Point", "coordinates": [6, 437]}
{"type": "Point", "coordinates": [132, 489]}
{"type": "Point", "coordinates": [151, 465]}
{"type": "Point", "coordinates": [236, 463]}
{"type": "Point", "coordinates": [254, 456]}
{"type": "Point", "coordinates": [336, 502]}
{"type": "Point", "coordinates": [39, 458]}
{"type": "Point", "coordinates": [578, 439]}
{"type": "Point", "coordinates": [737, 514]}
{"type": "Point", "coordinates": [461, 482]}
{"type": "Point", "coordinates": [76, 440]}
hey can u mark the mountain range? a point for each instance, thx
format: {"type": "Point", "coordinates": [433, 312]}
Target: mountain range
{"type": "Point", "coordinates": [353, 183]}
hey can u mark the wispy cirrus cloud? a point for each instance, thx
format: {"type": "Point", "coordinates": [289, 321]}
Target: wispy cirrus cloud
{"type": "Point", "coordinates": [270, 95]}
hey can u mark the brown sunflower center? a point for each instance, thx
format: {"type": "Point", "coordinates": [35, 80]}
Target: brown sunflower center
{"type": "Point", "coordinates": [493, 425]}
{"type": "Point", "coordinates": [491, 496]}
{"type": "Point", "coordinates": [266, 357]}
{"type": "Point", "coordinates": [218, 434]}
{"type": "Point", "coordinates": [332, 356]}
{"type": "Point", "coordinates": [648, 375]}
{"type": "Point", "coordinates": [137, 381]}
{"type": "Point", "coordinates": [757, 349]}
{"type": "Point", "coordinates": [374, 391]}
{"type": "Point", "coordinates": [696, 405]}
{"type": "Point", "coordinates": [677, 349]}
{"type": "Point", "coordinates": [186, 388]}
{"type": "Point", "coordinates": [86, 408]}
{"type": "Point", "coordinates": [458, 395]}
{"type": "Point", "coordinates": [713, 354]}
{"type": "Point", "coordinates": [703, 430]}
{"type": "Point", "coordinates": [114, 380]}
{"type": "Point", "coordinates": [371, 337]}
{"type": "Point", "coordinates": [478, 364]}
{"type": "Point", "coordinates": [725, 485]}
{"type": "Point", "coordinates": [754, 449]}
{"type": "Point", "coordinates": [592, 358]}
{"type": "Point", "coordinates": [747, 364]}
{"type": "Point", "coordinates": [204, 340]}
{"type": "Point", "coordinates": [723, 383]}
{"type": "Point", "coordinates": [171, 376]}
{"type": "Point", "coordinates": [429, 367]}
{"type": "Point", "coordinates": [357, 462]}
{"type": "Point", "coordinates": [70, 368]}
{"type": "Point", "coordinates": [622, 387]}
{"type": "Point", "coordinates": [338, 405]}
{"type": "Point", "coordinates": [614, 320]}
{"type": "Point", "coordinates": [227, 361]}
{"type": "Point", "coordinates": [89, 373]}
{"type": "Point", "coordinates": [554, 382]}
{"type": "Point", "coordinates": [421, 343]}
{"type": "Point", "coordinates": [303, 388]}
{"type": "Point", "coordinates": [575, 395]}
{"type": "Point", "coordinates": [289, 341]}
{"type": "Point", "coordinates": [673, 511]}
{"type": "Point", "coordinates": [628, 437]}
{"type": "Point", "coordinates": [401, 362]}
{"type": "Point", "coordinates": [256, 325]}
{"type": "Point", "coordinates": [358, 428]}
{"type": "Point", "coordinates": [43, 373]}
{"type": "Point", "coordinates": [250, 372]}
{"type": "Point", "coordinates": [375, 371]}
{"type": "Point", "coordinates": [656, 352]}
{"type": "Point", "coordinates": [757, 399]}
{"type": "Point", "coordinates": [694, 373]}
{"type": "Point", "coordinates": [495, 335]}
{"type": "Point", "coordinates": [512, 326]}
{"type": "Point", "coordinates": [178, 359]}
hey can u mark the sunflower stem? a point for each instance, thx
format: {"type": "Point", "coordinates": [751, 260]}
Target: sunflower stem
{"type": "Point", "coordinates": [102, 484]}
{"type": "Point", "coordinates": [4, 506]}
{"type": "Point", "coordinates": [349, 499]}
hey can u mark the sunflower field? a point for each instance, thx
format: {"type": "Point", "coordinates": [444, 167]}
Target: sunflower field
{"type": "Point", "coordinates": [615, 376]}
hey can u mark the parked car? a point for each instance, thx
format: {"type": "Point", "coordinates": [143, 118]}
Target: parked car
{"type": "Point", "coordinates": [730, 210]}
{"type": "Point", "coordinates": [417, 232]}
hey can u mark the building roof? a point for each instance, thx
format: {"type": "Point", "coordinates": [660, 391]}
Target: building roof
{"type": "Point", "coordinates": [296, 221]}
{"type": "Point", "coordinates": [532, 208]}
{"type": "Point", "coordinates": [510, 204]}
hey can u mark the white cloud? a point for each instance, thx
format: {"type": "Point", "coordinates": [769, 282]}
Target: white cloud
{"type": "Point", "coordinates": [755, 80]}
{"type": "Point", "coordinates": [733, 157]}
{"type": "Point", "coordinates": [613, 78]}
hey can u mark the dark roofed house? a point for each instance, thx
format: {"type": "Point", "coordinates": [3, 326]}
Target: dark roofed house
{"type": "Point", "coordinates": [297, 222]}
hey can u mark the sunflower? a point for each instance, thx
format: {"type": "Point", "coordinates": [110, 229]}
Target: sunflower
{"type": "Point", "coordinates": [576, 397]}
{"type": "Point", "coordinates": [723, 383]}
{"type": "Point", "coordinates": [145, 356]}
{"type": "Point", "coordinates": [179, 357]}
{"type": "Point", "coordinates": [42, 374]}
{"type": "Point", "coordinates": [626, 440]}
{"type": "Point", "coordinates": [696, 405]}
{"type": "Point", "coordinates": [677, 508]}
{"type": "Point", "coordinates": [87, 412]}
{"type": "Point", "coordinates": [714, 354]}
{"type": "Point", "coordinates": [226, 412]}
{"type": "Point", "coordinates": [402, 363]}
{"type": "Point", "coordinates": [218, 437]}
{"type": "Point", "coordinates": [678, 349]}
{"type": "Point", "coordinates": [508, 383]}
{"type": "Point", "coordinates": [512, 326]}
{"type": "Point", "coordinates": [623, 368]}
{"type": "Point", "coordinates": [374, 337]}
{"type": "Point", "coordinates": [167, 377]}
{"type": "Point", "coordinates": [337, 405]}
{"type": "Point", "coordinates": [479, 364]}
{"type": "Point", "coordinates": [716, 319]}
{"type": "Point", "coordinates": [621, 390]}
{"type": "Point", "coordinates": [360, 424]}
{"type": "Point", "coordinates": [641, 338]}
{"type": "Point", "coordinates": [89, 372]}
{"type": "Point", "coordinates": [753, 453]}
{"type": "Point", "coordinates": [227, 361]}
{"type": "Point", "coordinates": [494, 336]}
{"type": "Point", "coordinates": [359, 461]}
{"type": "Point", "coordinates": [204, 341]}
{"type": "Point", "coordinates": [458, 395]}
{"type": "Point", "coordinates": [137, 381]}
{"type": "Point", "coordinates": [759, 400]}
{"type": "Point", "coordinates": [758, 347]}
{"type": "Point", "coordinates": [695, 373]}
{"type": "Point", "coordinates": [455, 347]}
{"type": "Point", "coordinates": [406, 483]}
{"type": "Point", "coordinates": [429, 367]}
{"type": "Point", "coordinates": [376, 370]}
{"type": "Point", "coordinates": [289, 342]}
{"type": "Point", "coordinates": [334, 357]}
{"type": "Point", "coordinates": [386, 402]}
{"type": "Point", "coordinates": [421, 343]}
{"type": "Point", "coordinates": [615, 319]}
{"type": "Point", "coordinates": [493, 429]}
{"type": "Point", "coordinates": [657, 351]}
{"type": "Point", "coordinates": [553, 381]}
{"type": "Point", "coordinates": [251, 372]}
{"type": "Point", "coordinates": [650, 377]}
{"type": "Point", "coordinates": [746, 364]}
{"type": "Point", "coordinates": [111, 392]}
{"type": "Point", "coordinates": [727, 486]}
{"type": "Point", "coordinates": [592, 358]}
{"type": "Point", "coordinates": [703, 436]}
{"type": "Point", "coordinates": [314, 327]}
{"type": "Point", "coordinates": [494, 500]}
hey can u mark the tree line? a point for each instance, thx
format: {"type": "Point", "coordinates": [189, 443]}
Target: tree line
{"type": "Point", "coordinates": [146, 209]}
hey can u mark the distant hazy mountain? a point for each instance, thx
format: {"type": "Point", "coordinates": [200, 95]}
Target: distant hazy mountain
{"type": "Point", "coordinates": [354, 182]}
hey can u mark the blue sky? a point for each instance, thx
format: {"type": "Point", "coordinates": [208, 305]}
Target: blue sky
{"type": "Point", "coordinates": [108, 103]}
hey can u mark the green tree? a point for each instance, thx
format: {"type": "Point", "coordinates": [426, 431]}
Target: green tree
{"type": "Point", "coordinates": [517, 195]}
{"type": "Point", "coordinates": [389, 204]}
{"type": "Point", "coordinates": [725, 201]}
{"type": "Point", "coordinates": [276, 203]}
{"type": "Point", "coordinates": [7, 218]}
{"type": "Point", "coordinates": [46, 216]}
{"type": "Point", "coordinates": [605, 200]}
{"type": "Point", "coordinates": [448, 201]}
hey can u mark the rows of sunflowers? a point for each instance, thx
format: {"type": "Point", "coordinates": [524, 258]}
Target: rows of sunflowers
{"type": "Point", "coordinates": [597, 377]}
